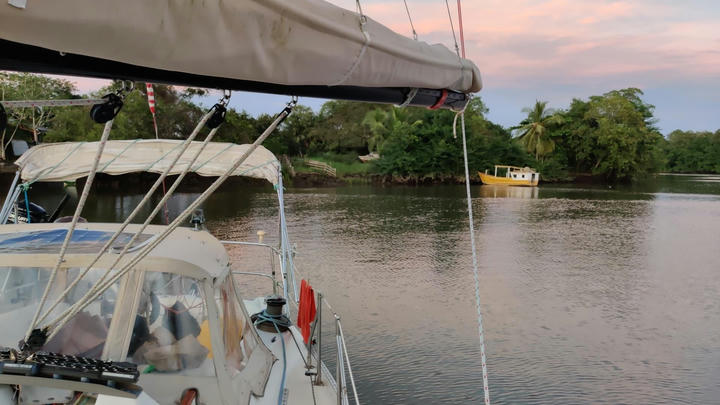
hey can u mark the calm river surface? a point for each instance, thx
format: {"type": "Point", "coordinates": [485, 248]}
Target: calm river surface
{"type": "Point", "coordinates": [590, 295]}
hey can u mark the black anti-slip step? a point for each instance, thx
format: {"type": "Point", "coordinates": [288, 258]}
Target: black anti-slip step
{"type": "Point", "coordinates": [63, 366]}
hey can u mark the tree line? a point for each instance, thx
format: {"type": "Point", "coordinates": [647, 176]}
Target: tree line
{"type": "Point", "coordinates": [612, 137]}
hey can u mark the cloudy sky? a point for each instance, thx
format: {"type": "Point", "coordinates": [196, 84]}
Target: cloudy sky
{"type": "Point", "coordinates": [556, 50]}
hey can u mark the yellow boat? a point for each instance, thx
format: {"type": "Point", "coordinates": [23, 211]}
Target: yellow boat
{"type": "Point", "coordinates": [514, 176]}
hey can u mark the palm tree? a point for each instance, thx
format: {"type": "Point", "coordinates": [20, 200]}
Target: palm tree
{"type": "Point", "coordinates": [533, 131]}
{"type": "Point", "coordinates": [381, 122]}
{"type": "Point", "coordinates": [375, 121]}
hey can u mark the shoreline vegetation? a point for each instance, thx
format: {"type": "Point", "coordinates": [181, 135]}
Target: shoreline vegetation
{"type": "Point", "coordinates": [609, 138]}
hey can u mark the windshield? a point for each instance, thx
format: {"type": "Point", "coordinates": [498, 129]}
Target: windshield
{"type": "Point", "coordinates": [171, 332]}
{"type": "Point", "coordinates": [50, 241]}
{"type": "Point", "coordinates": [20, 295]}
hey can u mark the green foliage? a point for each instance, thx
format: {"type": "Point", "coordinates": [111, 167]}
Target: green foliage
{"type": "Point", "coordinates": [693, 152]}
{"type": "Point", "coordinates": [429, 150]}
{"type": "Point", "coordinates": [339, 127]}
{"type": "Point", "coordinates": [534, 130]}
{"type": "Point", "coordinates": [30, 122]}
{"type": "Point", "coordinates": [612, 136]}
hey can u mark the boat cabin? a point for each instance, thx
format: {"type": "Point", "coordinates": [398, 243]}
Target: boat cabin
{"type": "Point", "coordinates": [177, 314]}
{"type": "Point", "coordinates": [511, 176]}
{"type": "Point", "coordinates": [517, 173]}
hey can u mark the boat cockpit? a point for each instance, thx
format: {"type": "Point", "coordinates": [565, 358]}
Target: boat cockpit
{"type": "Point", "coordinates": [177, 314]}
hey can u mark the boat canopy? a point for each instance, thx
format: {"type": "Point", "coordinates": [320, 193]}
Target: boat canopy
{"type": "Point", "coordinates": [68, 161]}
{"type": "Point", "coordinates": [299, 47]}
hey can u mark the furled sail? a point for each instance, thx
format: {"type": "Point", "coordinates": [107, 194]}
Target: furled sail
{"type": "Point", "coordinates": [300, 47]}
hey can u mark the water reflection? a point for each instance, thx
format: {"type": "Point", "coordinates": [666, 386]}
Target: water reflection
{"type": "Point", "coordinates": [591, 295]}
{"type": "Point", "coordinates": [496, 191]}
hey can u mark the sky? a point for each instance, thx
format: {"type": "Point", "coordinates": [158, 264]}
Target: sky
{"type": "Point", "coordinates": [557, 50]}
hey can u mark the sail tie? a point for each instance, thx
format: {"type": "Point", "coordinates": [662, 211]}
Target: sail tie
{"type": "Point", "coordinates": [409, 98]}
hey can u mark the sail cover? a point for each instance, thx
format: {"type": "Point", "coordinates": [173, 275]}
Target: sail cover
{"type": "Point", "coordinates": [282, 42]}
{"type": "Point", "coordinates": [69, 161]}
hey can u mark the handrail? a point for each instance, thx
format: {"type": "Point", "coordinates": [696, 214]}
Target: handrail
{"type": "Point", "coordinates": [347, 358]}
{"type": "Point", "coordinates": [342, 357]}
{"type": "Point", "coordinates": [232, 242]}
{"type": "Point", "coordinates": [250, 273]}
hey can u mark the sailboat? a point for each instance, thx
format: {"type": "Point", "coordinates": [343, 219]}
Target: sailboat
{"type": "Point", "coordinates": [152, 314]}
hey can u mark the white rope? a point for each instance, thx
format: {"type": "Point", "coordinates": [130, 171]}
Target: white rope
{"type": "Point", "coordinates": [411, 95]}
{"type": "Point", "coordinates": [73, 224]}
{"type": "Point", "coordinates": [486, 389]}
{"type": "Point", "coordinates": [366, 43]}
{"type": "Point", "coordinates": [134, 213]}
{"type": "Point", "coordinates": [156, 209]}
{"type": "Point", "coordinates": [52, 103]}
{"type": "Point", "coordinates": [96, 292]}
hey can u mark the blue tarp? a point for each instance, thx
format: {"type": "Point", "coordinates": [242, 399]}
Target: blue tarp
{"type": "Point", "coordinates": [50, 241]}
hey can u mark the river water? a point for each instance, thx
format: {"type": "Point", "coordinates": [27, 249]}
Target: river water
{"type": "Point", "coordinates": [589, 295]}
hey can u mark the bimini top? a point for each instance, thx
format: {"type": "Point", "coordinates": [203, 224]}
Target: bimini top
{"type": "Point", "coordinates": [69, 161]}
{"type": "Point", "coordinates": [302, 47]}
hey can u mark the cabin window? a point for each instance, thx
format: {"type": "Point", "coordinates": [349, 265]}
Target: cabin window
{"type": "Point", "coordinates": [171, 332]}
{"type": "Point", "coordinates": [83, 335]}
{"type": "Point", "coordinates": [236, 329]}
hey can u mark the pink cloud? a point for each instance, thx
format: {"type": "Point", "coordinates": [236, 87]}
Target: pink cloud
{"type": "Point", "coordinates": [568, 40]}
{"type": "Point", "coordinates": [562, 41]}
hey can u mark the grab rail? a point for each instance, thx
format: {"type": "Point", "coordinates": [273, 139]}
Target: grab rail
{"type": "Point", "coordinates": [250, 273]}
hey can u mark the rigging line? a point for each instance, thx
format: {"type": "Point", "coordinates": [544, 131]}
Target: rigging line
{"type": "Point", "coordinates": [184, 145]}
{"type": "Point", "coordinates": [151, 104]}
{"type": "Point", "coordinates": [415, 37]}
{"type": "Point", "coordinates": [166, 211]}
{"type": "Point", "coordinates": [347, 359]}
{"type": "Point", "coordinates": [452, 27]}
{"type": "Point", "coordinates": [73, 224]}
{"type": "Point", "coordinates": [460, 28]}
{"type": "Point", "coordinates": [147, 221]}
{"type": "Point", "coordinates": [359, 10]}
{"type": "Point", "coordinates": [481, 336]}
{"type": "Point", "coordinates": [307, 366]}
{"type": "Point", "coordinates": [86, 299]}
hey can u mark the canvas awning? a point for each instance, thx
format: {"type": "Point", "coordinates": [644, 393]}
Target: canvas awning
{"type": "Point", "coordinates": [69, 161]}
{"type": "Point", "coordinates": [300, 47]}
